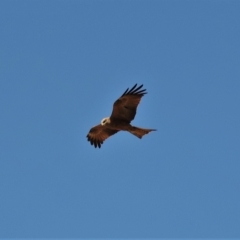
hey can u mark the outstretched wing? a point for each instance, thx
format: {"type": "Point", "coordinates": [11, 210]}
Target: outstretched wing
{"type": "Point", "coordinates": [125, 107]}
{"type": "Point", "coordinates": [98, 134]}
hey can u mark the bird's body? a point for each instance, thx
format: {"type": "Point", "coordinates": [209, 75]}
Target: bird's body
{"type": "Point", "coordinates": [124, 111]}
{"type": "Point", "coordinates": [117, 124]}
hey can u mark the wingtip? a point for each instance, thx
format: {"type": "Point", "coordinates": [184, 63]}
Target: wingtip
{"type": "Point", "coordinates": [135, 90]}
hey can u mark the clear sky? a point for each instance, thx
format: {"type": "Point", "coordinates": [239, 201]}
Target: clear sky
{"type": "Point", "coordinates": [64, 63]}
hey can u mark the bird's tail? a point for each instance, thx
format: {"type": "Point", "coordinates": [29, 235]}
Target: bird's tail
{"type": "Point", "coordinates": [139, 132]}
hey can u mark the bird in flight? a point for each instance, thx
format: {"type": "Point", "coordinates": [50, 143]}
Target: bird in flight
{"type": "Point", "coordinates": [124, 111]}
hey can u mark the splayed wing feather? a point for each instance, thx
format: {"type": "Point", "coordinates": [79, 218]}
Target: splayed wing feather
{"type": "Point", "coordinates": [135, 90]}
{"type": "Point", "coordinates": [125, 92]}
{"type": "Point", "coordinates": [131, 90]}
{"type": "Point", "coordinates": [98, 134]}
{"type": "Point", "coordinates": [125, 107]}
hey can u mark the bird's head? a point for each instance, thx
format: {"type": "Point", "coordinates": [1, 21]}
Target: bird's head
{"type": "Point", "coordinates": [105, 121]}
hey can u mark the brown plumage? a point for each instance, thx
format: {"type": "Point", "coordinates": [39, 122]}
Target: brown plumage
{"type": "Point", "coordinates": [124, 111]}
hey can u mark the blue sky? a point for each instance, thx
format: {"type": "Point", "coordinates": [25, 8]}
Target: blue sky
{"type": "Point", "coordinates": [64, 63]}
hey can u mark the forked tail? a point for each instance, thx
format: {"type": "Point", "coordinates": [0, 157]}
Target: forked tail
{"type": "Point", "coordinates": [139, 132]}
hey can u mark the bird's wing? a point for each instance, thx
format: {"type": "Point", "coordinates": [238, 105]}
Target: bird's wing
{"type": "Point", "coordinates": [125, 107]}
{"type": "Point", "coordinates": [98, 134]}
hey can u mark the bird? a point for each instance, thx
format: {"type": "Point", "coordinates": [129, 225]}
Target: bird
{"type": "Point", "coordinates": [124, 111]}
